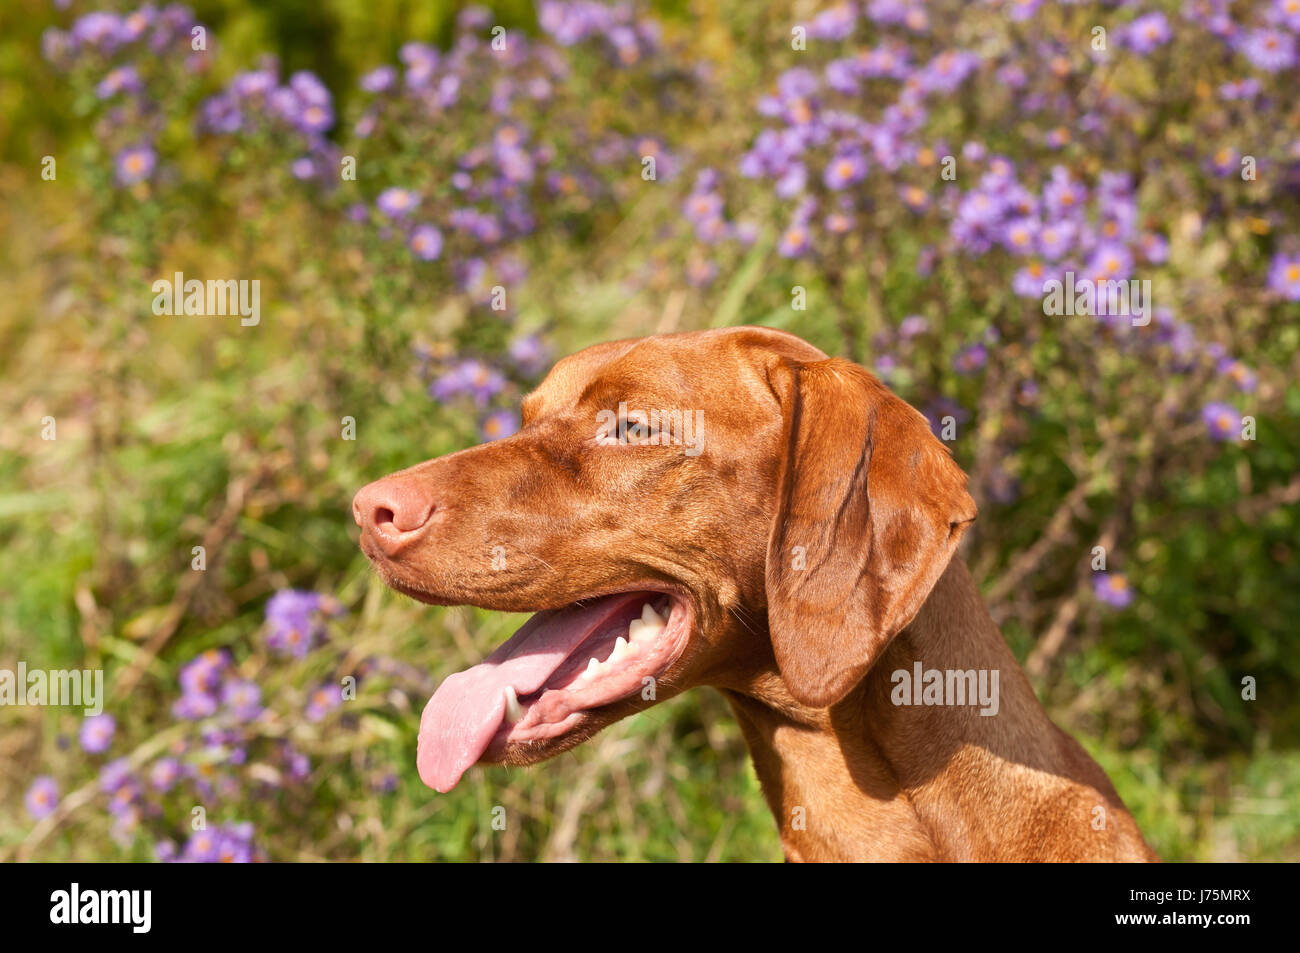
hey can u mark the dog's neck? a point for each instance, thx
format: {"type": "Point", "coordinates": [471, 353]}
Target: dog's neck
{"type": "Point", "coordinates": [875, 777]}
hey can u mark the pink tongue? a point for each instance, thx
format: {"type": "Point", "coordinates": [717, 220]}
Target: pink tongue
{"type": "Point", "coordinates": [469, 706]}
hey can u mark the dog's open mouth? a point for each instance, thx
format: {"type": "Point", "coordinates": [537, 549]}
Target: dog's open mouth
{"type": "Point", "coordinates": [537, 685]}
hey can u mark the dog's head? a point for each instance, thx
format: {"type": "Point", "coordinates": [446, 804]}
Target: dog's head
{"type": "Point", "coordinates": [724, 507]}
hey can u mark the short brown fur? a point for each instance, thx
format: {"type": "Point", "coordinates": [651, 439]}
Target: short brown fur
{"type": "Point", "coordinates": [814, 540]}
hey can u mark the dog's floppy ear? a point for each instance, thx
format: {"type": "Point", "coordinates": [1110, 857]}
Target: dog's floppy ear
{"type": "Point", "coordinates": [870, 507]}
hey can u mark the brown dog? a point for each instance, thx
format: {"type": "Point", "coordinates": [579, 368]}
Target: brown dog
{"type": "Point", "coordinates": [781, 528]}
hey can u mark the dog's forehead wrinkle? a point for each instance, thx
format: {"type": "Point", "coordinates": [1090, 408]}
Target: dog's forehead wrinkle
{"type": "Point", "coordinates": [564, 384]}
{"type": "Point", "coordinates": [695, 369]}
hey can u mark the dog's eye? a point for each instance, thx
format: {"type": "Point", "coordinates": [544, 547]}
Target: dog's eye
{"type": "Point", "coordinates": [636, 430]}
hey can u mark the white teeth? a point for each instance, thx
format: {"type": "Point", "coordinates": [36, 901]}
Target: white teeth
{"type": "Point", "coordinates": [514, 710]}
{"type": "Point", "coordinates": [650, 625]}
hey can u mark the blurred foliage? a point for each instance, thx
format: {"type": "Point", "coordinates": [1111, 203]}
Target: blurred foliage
{"type": "Point", "coordinates": [159, 417]}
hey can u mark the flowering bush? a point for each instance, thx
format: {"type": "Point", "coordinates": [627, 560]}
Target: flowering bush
{"type": "Point", "coordinates": [950, 192]}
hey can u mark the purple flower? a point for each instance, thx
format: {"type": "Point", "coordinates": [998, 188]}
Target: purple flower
{"type": "Point", "coordinates": [253, 83]}
{"type": "Point", "coordinates": [481, 226]}
{"type": "Point", "coordinates": [413, 53]}
{"type": "Point", "coordinates": [481, 381]}
{"type": "Point", "coordinates": [844, 170]}
{"type": "Point", "coordinates": [283, 103]}
{"type": "Point", "coordinates": [837, 23]}
{"type": "Point", "coordinates": [234, 844]}
{"type": "Point", "coordinates": [397, 202]}
{"type": "Point", "coordinates": [843, 76]}
{"type": "Point", "coordinates": [889, 60]}
{"type": "Point", "coordinates": [470, 377]}
{"type": "Point", "coordinates": [193, 707]}
{"type": "Point", "coordinates": [1244, 89]}
{"type": "Point", "coordinates": [97, 733]}
{"type": "Point", "coordinates": [56, 45]}
{"type": "Point", "coordinates": [1119, 218]}
{"type": "Point", "coordinates": [914, 197]}
{"type": "Point", "coordinates": [470, 274]}
{"type": "Point", "coordinates": [122, 801]}
{"type": "Point", "coordinates": [499, 423]}
{"type": "Point", "coordinates": [243, 698]}
{"type": "Point", "coordinates": [1056, 238]}
{"type": "Point", "coordinates": [1221, 420]}
{"type": "Point", "coordinates": [795, 241]}
{"type": "Point", "coordinates": [1271, 50]}
{"type": "Point", "coordinates": [793, 181]}
{"type": "Point", "coordinates": [122, 79]}
{"type": "Point", "coordinates": [315, 117]}
{"type": "Point", "coordinates": [296, 764]}
{"type": "Point", "coordinates": [1286, 12]}
{"type": "Point", "coordinates": [1062, 195]}
{"type": "Point", "coordinates": [309, 89]}
{"type": "Point", "coordinates": [515, 164]}
{"type": "Point", "coordinates": [912, 325]}
{"type": "Point", "coordinates": [122, 830]}
{"type": "Point", "coordinates": [135, 164]}
{"type": "Point", "coordinates": [1114, 186]}
{"type": "Point", "coordinates": [303, 168]}
{"type": "Point", "coordinates": [1284, 276]}
{"type": "Point", "coordinates": [702, 207]}
{"type": "Point", "coordinates": [42, 797]}
{"type": "Point", "coordinates": [1241, 375]}
{"type": "Point", "coordinates": [379, 80]}
{"type": "Point", "coordinates": [1021, 10]}
{"type": "Point", "coordinates": [1154, 247]}
{"type": "Point", "coordinates": [943, 408]}
{"type": "Point", "coordinates": [164, 774]}
{"type": "Point", "coordinates": [1029, 281]}
{"type": "Point", "coordinates": [115, 775]}
{"type": "Point", "coordinates": [1147, 32]}
{"type": "Point", "coordinates": [1113, 589]}
{"type": "Point", "coordinates": [292, 615]}
{"type": "Point", "coordinates": [425, 242]}
{"type": "Point", "coordinates": [701, 272]}
{"type": "Point", "coordinates": [947, 71]}
{"type": "Point", "coordinates": [980, 208]}
{"type": "Point", "coordinates": [202, 674]}
{"type": "Point", "coordinates": [925, 260]}
{"type": "Point", "coordinates": [221, 114]}
{"type": "Point", "coordinates": [529, 353]}
{"type": "Point", "coordinates": [796, 84]}
{"type": "Point", "coordinates": [473, 17]}
{"type": "Point", "coordinates": [971, 359]}
{"type": "Point", "coordinates": [98, 29]}
{"type": "Point", "coordinates": [1019, 234]}
{"type": "Point", "coordinates": [1110, 262]}
{"type": "Point", "coordinates": [322, 701]}
{"type": "Point", "coordinates": [837, 222]}
{"type": "Point", "coordinates": [201, 848]}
